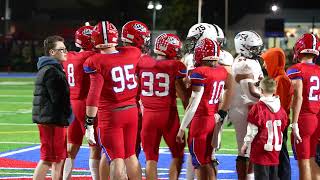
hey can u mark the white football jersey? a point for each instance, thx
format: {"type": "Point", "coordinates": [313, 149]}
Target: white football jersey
{"type": "Point", "coordinates": [242, 65]}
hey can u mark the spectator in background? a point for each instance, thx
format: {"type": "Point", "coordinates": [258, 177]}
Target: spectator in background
{"type": "Point", "coordinates": [51, 108]}
{"type": "Point", "coordinates": [274, 62]}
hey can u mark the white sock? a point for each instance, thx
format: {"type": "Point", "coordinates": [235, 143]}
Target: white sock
{"type": "Point", "coordinates": [94, 168]}
{"type": "Point", "coordinates": [213, 155]}
{"type": "Point", "coordinates": [190, 169]}
{"type": "Point", "coordinates": [250, 176]}
{"type": "Point", "coordinates": [67, 169]}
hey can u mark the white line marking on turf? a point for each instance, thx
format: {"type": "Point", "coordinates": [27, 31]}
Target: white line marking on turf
{"type": "Point", "coordinates": [19, 151]}
{"type": "Point", "coordinates": [19, 111]}
{"type": "Point", "coordinates": [12, 95]}
{"type": "Point", "coordinates": [16, 83]}
{"type": "Point", "coordinates": [16, 102]}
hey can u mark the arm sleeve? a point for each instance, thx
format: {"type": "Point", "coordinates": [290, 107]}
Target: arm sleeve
{"type": "Point", "coordinates": [252, 131]}
{"type": "Point", "coordinates": [96, 84]}
{"type": "Point", "coordinates": [192, 108]}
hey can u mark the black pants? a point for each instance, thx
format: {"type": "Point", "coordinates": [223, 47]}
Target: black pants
{"type": "Point", "coordinates": [284, 168]}
{"type": "Point", "coordinates": [265, 172]}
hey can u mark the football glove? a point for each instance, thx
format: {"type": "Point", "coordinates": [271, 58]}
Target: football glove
{"type": "Point", "coordinates": [295, 131]}
{"type": "Point", "coordinates": [90, 130]}
{"type": "Point", "coordinates": [220, 116]}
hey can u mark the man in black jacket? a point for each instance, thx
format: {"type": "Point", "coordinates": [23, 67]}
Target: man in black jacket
{"type": "Point", "coordinates": [51, 108]}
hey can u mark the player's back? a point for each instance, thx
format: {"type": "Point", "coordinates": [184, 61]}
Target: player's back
{"type": "Point", "coordinates": [79, 81]}
{"type": "Point", "coordinates": [213, 80]}
{"type": "Point", "coordinates": [309, 73]}
{"type": "Point", "coordinates": [157, 81]}
{"type": "Point", "coordinates": [118, 71]}
{"type": "Point", "coordinates": [268, 142]}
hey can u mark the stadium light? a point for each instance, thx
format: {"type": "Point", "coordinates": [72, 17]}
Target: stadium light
{"type": "Point", "coordinates": [274, 8]}
{"type": "Point", "coordinates": [155, 6]}
{"type": "Point", "coordinates": [150, 5]}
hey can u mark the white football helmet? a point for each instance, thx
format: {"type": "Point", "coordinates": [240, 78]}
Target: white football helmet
{"type": "Point", "coordinates": [200, 31]}
{"type": "Point", "coordinates": [220, 35]}
{"type": "Point", "coordinates": [248, 44]}
{"type": "Point", "coordinates": [225, 58]}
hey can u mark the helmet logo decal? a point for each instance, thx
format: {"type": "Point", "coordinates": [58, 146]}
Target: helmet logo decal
{"type": "Point", "coordinates": [242, 36]}
{"type": "Point", "coordinates": [139, 27]}
{"type": "Point", "coordinates": [173, 41]}
{"type": "Point", "coordinates": [87, 32]}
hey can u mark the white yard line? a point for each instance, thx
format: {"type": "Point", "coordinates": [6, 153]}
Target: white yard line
{"type": "Point", "coordinates": [17, 83]}
{"type": "Point", "coordinates": [19, 151]}
{"type": "Point", "coordinates": [11, 95]}
{"type": "Point", "coordinates": [16, 102]}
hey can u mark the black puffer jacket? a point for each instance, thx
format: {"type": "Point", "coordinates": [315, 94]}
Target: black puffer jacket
{"type": "Point", "coordinates": [51, 101]}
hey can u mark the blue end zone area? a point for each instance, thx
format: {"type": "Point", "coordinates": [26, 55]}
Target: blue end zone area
{"type": "Point", "coordinates": [17, 75]}
{"type": "Point", "coordinates": [227, 169]}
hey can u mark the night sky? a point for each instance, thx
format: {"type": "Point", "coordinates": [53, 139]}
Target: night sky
{"type": "Point", "coordinates": [176, 14]}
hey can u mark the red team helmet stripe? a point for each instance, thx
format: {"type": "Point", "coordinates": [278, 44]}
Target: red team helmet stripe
{"type": "Point", "coordinates": [104, 31]}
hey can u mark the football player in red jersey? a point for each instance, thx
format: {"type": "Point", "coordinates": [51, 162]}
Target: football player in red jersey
{"type": "Point", "coordinates": [113, 88]}
{"type": "Point", "coordinates": [136, 33]}
{"type": "Point", "coordinates": [160, 79]}
{"type": "Point", "coordinates": [207, 81]}
{"type": "Point", "coordinates": [305, 77]}
{"type": "Point", "coordinates": [267, 121]}
{"type": "Point", "coordinates": [79, 83]}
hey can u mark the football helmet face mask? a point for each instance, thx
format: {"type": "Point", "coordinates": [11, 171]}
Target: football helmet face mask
{"type": "Point", "coordinates": [83, 38]}
{"type": "Point", "coordinates": [206, 50]}
{"type": "Point", "coordinates": [104, 35]}
{"type": "Point", "coordinates": [248, 44]}
{"type": "Point", "coordinates": [307, 44]}
{"type": "Point", "coordinates": [136, 33]}
{"type": "Point", "coordinates": [198, 32]}
{"type": "Point", "coordinates": [168, 45]}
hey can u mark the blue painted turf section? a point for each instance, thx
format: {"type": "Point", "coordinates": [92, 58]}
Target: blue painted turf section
{"type": "Point", "coordinates": [226, 167]}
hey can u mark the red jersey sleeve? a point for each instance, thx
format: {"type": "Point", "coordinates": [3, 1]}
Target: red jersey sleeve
{"type": "Point", "coordinates": [197, 78]}
{"type": "Point", "coordinates": [253, 115]}
{"type": "Point", "coordinates": [294, 72]}
{"type": "Point", "coordinates": [96, 84]}
{"type": "Point", "coordinates": [182, 70]}
{"type": "Point", "coordinates": [89, 66]}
